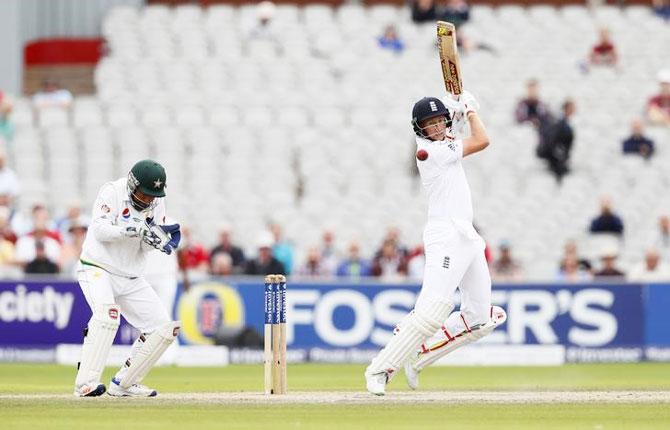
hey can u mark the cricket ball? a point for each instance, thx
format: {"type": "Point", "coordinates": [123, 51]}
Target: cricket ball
{"type": "Point", "coordinates": [421, 154]}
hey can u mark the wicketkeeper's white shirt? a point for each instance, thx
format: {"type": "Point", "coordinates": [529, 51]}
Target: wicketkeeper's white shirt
{"type": "Point", "coordinates": [443, 178]}
{"type": "Point", "coordinates": [106, 245]}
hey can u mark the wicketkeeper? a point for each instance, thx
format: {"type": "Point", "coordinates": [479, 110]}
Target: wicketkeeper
{"type": "Point", "coordinates": [454, 250]}
{"type": "Point", "coordinates": [127, 222]}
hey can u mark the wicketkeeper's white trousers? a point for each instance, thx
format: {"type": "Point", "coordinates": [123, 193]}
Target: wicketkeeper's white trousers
{"type": "Point", "coordinates": [139, 303]}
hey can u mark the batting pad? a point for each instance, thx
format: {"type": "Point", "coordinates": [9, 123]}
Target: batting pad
{"type": "Point", "coordinates": [98, 340]}
{"type": "Point", "coordinates": [148, 354]}
{"type": "Point", "coordinates": [451, 342]}
{"type": "Point", "coordinates": [418, 326]}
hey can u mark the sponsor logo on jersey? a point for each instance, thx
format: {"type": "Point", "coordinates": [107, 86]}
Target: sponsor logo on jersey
{"type": "Point", "coordinates": [114, 313]}
{"type": "Point", "coordinates": [126, 213]}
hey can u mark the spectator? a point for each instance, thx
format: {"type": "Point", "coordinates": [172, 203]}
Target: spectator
{"type": "Point", "coordinates": [661, 8]}
{"type": "Point", "coordinates": [263, 33]}
{"type": "Point", "coordinates": [282, 249]}
{"type": "Point", "coordinates": [71, 251]}
{"type": "Point", "coordinates": [6, 126]}
{"type": "Point", "coordinates": [658, 107]}
{"type": "Point", "coordinates": [191, 254]}
{"type": "Point", "coordinates": [390, 264]}
{"type": "Point", "coordinates": [390, 40]}
{"type": "Point", "coordinates": [353, 266]}
{"type": "Point", "coordinates": [329, 254]}
{"type": "Point", "coordinates": [7, 240]}
{"type": "Point", "coordinates": [607, 221]}
{"type": "Point", "coordinates": [9, 182]}
{"type": "Point", "coordinates": [52, 95]}
{"type": "Point", "coordinates": [26, 245]}
{"type": "Point", "coordinates": [424, 11]}
{"type": "Point", "coordinates": [569, 252]}
{"type": "Point", "coordinates": [506, 268]}
{"type": "Point", "coordinates": [73, 215]}
{"type": "Point", "coordinates": [264, 263]}
{"type": "Point", "coordinates": [531, 108]}
{"type": "Point", "coordinates": [556, 141]}
{"type": "Point", "coordinates": [571, 272]}
{"type": "Point", "coordinates": [609, 269]}
{"type": "Point", "coordinates": [221, 264]}
{"type": "Point", "coordinates": [41, 264]}
{"type": "Point", "coordinates": [41, 217]}
{"type": "Point", "coordinates": [662, 239]}
{"type": "Point", "coordinates": [456, 12]}
{"type": "Point", "coordinates": [637, 143]}
{"type": "Point", "coordinates": [392, 236]}
{"type": "Point", "coordinates": [416, 262]}
{"type": "Point", "coordinates": [313, 265]}
{"type": "Point", "coordinates": [651, 270]}
{"type": "Point", "coordinates": [604, 53]}
{"type": "Point", "coordinates": [226, 246]}
{"type": "Point", "coordinates": [6, 232]}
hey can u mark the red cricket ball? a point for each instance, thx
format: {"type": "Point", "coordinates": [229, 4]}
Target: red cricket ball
{"type": "Point", "coordinates": [421, 154]}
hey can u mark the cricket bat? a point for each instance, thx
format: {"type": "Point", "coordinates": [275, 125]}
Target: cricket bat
{"type": "Point", "coordinates": [451, 69]}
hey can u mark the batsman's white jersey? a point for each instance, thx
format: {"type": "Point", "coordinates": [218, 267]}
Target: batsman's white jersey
{"type": "Point", "coordinates": [105, 244]}
{"type": "Point", "coordinates": [454, 250]}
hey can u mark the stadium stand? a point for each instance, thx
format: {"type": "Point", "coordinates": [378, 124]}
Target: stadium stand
{"type": "Point", "coordinates": [237, 123]}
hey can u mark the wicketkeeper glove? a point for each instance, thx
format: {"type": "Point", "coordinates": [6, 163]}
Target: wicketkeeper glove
{"type": "Point", "coordinates": [165, 238]}
{"type": "Point", "coordinates": [135, 230]}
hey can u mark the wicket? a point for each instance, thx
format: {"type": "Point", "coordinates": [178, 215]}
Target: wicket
{"type": "Point", "coordinates": [275, 334]}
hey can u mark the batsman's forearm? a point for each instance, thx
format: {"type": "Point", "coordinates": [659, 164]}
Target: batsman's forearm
{"type": "Point", "coordinates": [478, 131]}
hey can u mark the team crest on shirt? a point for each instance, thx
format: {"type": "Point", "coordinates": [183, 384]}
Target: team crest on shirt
{"type": "Point", "coordinates": [126, 213]}
{"type": "Point", "coordinates": [105, 209]}
{"type": "Point", "coordinates": [452, 147]}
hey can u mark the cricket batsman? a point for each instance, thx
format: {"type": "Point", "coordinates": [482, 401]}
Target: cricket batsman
{"type": "Point", "coordinates": [127, 222]}
{"type": "Point", "coordinates": [454, 250]}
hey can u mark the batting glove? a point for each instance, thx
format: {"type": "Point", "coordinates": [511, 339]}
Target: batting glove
{"type": "Point", "coordinates": [469, 102]}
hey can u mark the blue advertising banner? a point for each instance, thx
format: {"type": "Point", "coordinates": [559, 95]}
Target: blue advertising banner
{"type": "Point", "coordinates": [47, 313]}
{"type": "Point", "coordinates": [657, 307]}
{"type": "Point", "coordinates": [596, 322]}
{"type": "Point", "coordinates": [363, 315]}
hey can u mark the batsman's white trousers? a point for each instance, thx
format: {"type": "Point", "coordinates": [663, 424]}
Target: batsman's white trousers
{"type": "Point", "coordinates": [139, 303]}
{"type": "Point", "coordinates": [455, 259]}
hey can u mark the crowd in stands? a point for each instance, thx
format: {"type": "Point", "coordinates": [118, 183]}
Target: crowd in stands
{"type": "Point", "coordinates": [44, 245]}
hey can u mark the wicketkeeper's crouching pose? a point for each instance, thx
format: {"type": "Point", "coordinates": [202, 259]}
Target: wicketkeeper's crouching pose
{"type": "Point", "coordinates": [126, 223]}
{"type": "Point", "coordinates": [454, 250]}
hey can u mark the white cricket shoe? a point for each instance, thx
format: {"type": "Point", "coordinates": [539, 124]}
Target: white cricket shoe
{"type": "Point", "coordinates": [136, 390]}
{"type": "Point", "coordinates": [411, 375]}
{"type": "Point", "coordinates": [94, 389]}
{"type": "Point", "coordinates": [376, 383]}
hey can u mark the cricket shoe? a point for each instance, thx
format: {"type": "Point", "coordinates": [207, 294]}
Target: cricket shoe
{"type": "Point", "coordinates": [90, 390]}
{"type": "Point", "coordinates": [376, 382]}
{"type": "Point", "coordinates": [135, 390]}
{"type": "Point", "coordinates": [411, 373]}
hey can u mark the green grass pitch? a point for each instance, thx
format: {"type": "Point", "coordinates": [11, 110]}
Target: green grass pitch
{"type": "Point", "coordinates": [57, 409]}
